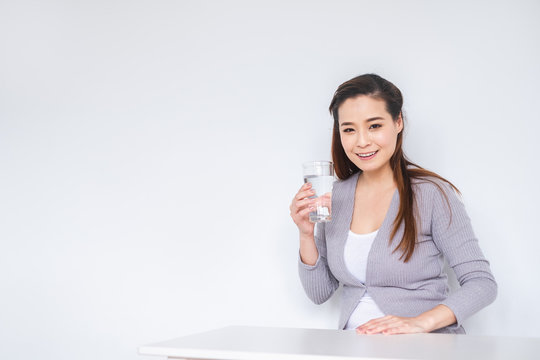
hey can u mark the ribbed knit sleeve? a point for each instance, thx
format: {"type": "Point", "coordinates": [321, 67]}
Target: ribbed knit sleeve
{"type": "Point", "coordinates": [317, 280]}
{"type": "Point", "coordinates": [453, 235]}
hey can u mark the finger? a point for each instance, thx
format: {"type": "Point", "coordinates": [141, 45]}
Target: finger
{"type": "Point", "coordinates": [302, 216]}
{"type": "Point", "coordinates": [305, 186]}
{"type": "Point", "coordinates": [302, 210]}
{"type": "Point", "coordinates": [306, 211]}
{"type": "Point", "coordinates": [381, 328]}
{"type": "Point", "coordinates": [395, 330]}
{"type": "Point", "coordinates": [383, 321]}
{"type": "Point", "coordinates": [402, 329]}
{"type": "Point", "coordinates": [305, 202]}
{"type": "Point", "coordinates": [304, 194]}
{"type": "Point", "coordinates": [376, 321]}
{"type": "Point", "coordinates": [301, 195]}
{"type": "Point", "coordinates": [298, 205]}
{"type": "Point", "coordinates": [384, 326]}
{"type": "Point", "coordinates": [371, 324]}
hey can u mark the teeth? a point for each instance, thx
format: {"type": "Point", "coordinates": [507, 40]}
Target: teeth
{"type": "Point", "coordinates": [366, 155]}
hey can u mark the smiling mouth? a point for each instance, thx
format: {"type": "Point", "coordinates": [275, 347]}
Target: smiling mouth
{"type": "Point", "coordinates": [367, 156]}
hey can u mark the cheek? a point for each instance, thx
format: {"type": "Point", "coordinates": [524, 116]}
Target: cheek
{"type": "Point", "coordinates": [347, 142]}
{"type": "Point", "coordinates": [386, 139]}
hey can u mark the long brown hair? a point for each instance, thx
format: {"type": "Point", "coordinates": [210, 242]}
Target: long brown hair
{"type": "Point", "coordinates": [403, 170]}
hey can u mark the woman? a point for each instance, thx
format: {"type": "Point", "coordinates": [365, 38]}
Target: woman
{"type": "Point", "coordinates": [392, 223]}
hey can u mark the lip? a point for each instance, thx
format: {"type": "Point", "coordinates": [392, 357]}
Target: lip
{"type": "Point", "coordinates": [369, 157]}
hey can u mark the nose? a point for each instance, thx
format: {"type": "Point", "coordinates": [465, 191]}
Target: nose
{"type": "Point", "coordinates": [363, 139]}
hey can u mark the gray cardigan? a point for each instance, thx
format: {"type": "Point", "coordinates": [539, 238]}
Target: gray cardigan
{"type": "Point", "coordinates": [398, 288]}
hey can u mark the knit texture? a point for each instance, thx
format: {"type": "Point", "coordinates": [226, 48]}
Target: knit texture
{"type": "Point", "coordinates": [398, 288]}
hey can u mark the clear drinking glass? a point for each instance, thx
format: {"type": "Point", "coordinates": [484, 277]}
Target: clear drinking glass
{"type": "Point", "coordinates": [321, 176]}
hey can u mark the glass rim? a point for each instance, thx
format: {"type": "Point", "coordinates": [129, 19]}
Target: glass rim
{"type": "Point", "coordinates": [317, 162]}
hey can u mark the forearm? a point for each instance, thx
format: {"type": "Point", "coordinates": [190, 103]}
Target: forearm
{"type": "Point", "coordinates": [315, 275]}
{"type": "Point", "coordinates": [436, 318]}
{"type": "Point", "coordinates": [308, 250]}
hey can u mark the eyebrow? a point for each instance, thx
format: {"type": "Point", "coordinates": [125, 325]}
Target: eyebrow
{"type": "Point", "coordinates": [368, 120]}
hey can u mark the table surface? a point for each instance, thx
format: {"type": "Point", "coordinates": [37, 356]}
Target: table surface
{"type": "Point", "coordinates": [265, 343]}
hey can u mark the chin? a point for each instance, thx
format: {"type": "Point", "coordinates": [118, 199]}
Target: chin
{"type": "Point", "coordinates": [370, 168]}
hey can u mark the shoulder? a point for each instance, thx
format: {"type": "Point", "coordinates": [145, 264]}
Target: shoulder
{"type": "Point", "coordinates": [347, 183]}
{"type": "Point", "coordinates": [430, 183]}
{"type": "Point", "coordinates": [343, 190]}
{"type": "Point", "coordinates": [430, 187]}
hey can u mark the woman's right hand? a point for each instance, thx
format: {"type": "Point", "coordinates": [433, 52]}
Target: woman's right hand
{"type": "Point", "coordinates": [300, 208]}
{"type": "Point", "coordinates": [302, 205]}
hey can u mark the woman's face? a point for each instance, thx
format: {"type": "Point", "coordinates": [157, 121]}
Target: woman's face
{"type": "Point", "coordinates": [368, 133]}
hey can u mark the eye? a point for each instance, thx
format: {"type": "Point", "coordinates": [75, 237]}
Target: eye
{"type": "Point", "coordinates": [375, 126]}
{"type": "Point", "coordinates": [348, 130]}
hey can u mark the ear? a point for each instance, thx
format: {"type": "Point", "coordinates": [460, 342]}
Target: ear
{"type": "Point", "coordinates": [399, 123]}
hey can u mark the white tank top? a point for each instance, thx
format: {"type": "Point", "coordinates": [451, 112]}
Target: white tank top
{"type": "Point", "coordinates": [356, 253]}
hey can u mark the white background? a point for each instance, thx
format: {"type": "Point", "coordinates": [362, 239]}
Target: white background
{"type": "Point", "coordinates": [149, 151]}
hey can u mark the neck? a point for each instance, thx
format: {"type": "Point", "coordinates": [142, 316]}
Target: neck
{"type": "Point", "coordinates": [379, 179]}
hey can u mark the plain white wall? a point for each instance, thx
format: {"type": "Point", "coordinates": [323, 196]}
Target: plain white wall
{"type": "Point", "coordinates": [149, 151]}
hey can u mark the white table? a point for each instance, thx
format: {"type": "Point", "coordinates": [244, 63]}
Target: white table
{"type": "Point", "coordinates": [263, 343]}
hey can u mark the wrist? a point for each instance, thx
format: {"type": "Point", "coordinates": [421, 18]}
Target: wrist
{"type": "Point", "coordinates": [436, 318]}
{"type": "Point", "coordinates": [306, 237]}
{"type": "Point", "coordinates": [426, 322]}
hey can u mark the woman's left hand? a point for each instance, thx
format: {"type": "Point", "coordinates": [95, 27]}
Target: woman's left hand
{"type": "Point", "coordinates": [391, 324]}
